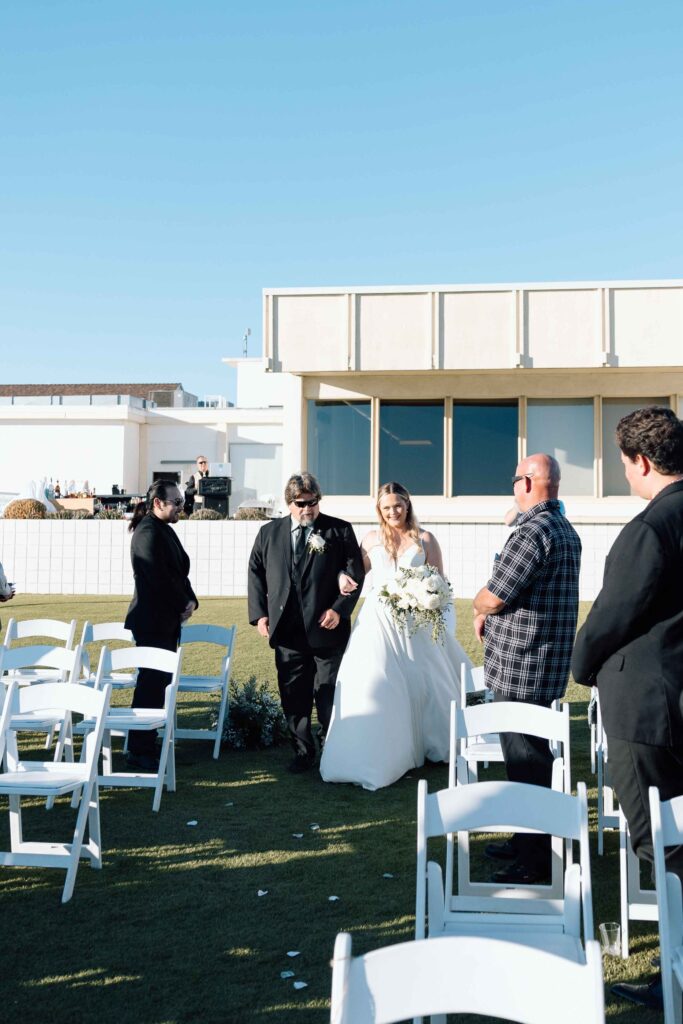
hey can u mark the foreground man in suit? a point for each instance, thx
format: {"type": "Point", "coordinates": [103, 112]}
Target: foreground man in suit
{"type": "Point", "coordinates": [295, 603]}
{"type": "Point", "coordinates": [631, 645]}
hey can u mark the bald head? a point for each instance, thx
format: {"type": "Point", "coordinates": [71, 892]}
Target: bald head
{"type": "Point", "coordinates": [540, 480]}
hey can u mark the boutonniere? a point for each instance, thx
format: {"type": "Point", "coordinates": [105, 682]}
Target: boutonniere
{"type": "Point", "coordinates": [317, 544]}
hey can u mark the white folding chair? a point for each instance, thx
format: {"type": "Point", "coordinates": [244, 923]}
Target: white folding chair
{"type": "Point", "coordinates": [667, 830]}
{"type": "Point", "coordinates": [104, 633]}
{"type": "Point", "coordinates": [125, 720]}
{"type": "Point", "coordinates": [51, 629]}
{"type": "Point", "coordinates": [223, 637]}
{"type": "Point", "coordinates": [51, 779]}
{"type": "Point", "coordinates": [533, 914]}
{"type": "Point", "coordinates": [56, 663]}
{"type": "Point", "coordinates": [636, 902]}
{"type": "Point", "coordinates": [471, 729]}
{"type": "Point", "coordinates": [465, 975]}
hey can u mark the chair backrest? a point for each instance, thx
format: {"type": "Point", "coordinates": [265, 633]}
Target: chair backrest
{"type": "Point", "coordinates": [141, 657]}
{"type": "Point", "coordinates": [42, 656]}
{"type": "Point", "coordinates": [506, 807]}
{"type": "Point", "coordinates": [102, 632]}
{"type": "Point", "coordinates": [6, 705]}
{"type": "Point", "coordinates": [512, 716]}
{"type": "Point", "coordinates": [471, 680]}
{"type": "Point", "coordinates": [82, 700]}
{"type": "Point", "coordinates": [55, 629]}
{"type": "Point", "coordinates": [667, 830]}
{"type": "Point", "coordinates": [465, 975]}
{"type": "Point", "coordinates": [221, 636]}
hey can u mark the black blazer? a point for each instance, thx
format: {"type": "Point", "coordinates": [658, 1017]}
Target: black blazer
{"type": "Point", "coordinates": [162, 589]}
{"type": "Point", "coordinates": [631, 644]}
{"type": "Point", "coordinates": [270, 580]}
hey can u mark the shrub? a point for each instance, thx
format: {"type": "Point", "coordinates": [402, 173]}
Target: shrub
{"type": "Point", "coordinates": [70, 513]}
{"type": "Point", "coordinates": [206, 513]}
{"type": "Point", "coordinates": [109, 513]}
{"type": "Point", "coordinates": [250, 513]}
{"type": "Point", "coordinates": [255, 719]}
{"type": "Point", "coordinates": [25, 508]}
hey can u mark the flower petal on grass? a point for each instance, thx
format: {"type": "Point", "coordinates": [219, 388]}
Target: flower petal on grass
{"type": "Point", "coordinates": [193, 822]}
{"type": "Point", "coordinates": [332, 899]}
{"type": "Point", "coordinates": [292, 952]}
{"type": "Point", "coordinates": [286, 974]}
{"type": "Point", "coordinates": [300, 984]}
{"type": "Point", "coordinates": [315, 827]}
{"type": "Point", "coordinates": [387, 874]}
{"type": "Point", "coordinates": [297, 835]}
{"type": "Point", "coordinates": [262, 892]}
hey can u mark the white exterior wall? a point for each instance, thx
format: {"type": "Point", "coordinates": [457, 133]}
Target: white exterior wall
{"type": "Point", "coordinates": [93, 557]}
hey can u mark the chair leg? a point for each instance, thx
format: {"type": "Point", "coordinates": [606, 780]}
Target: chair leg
{"type": "Point", "coordinates": [219, 726]}
{"type": "Point", "coordinates": [623, 890]}
{"type": "Point", "coordinates": [15, 829]}
{"type": "Point", "coordinates": [94, 831]}
{"type": "Point", "coordinates": [166, 772]}
{"type": "Point", "coordinates": [601, 805]}
{"type": "Point", "coordinates": [77, 842]}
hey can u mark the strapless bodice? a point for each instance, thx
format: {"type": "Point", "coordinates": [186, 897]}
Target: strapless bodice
{"type": "Point", "coordinates": [383, 566]}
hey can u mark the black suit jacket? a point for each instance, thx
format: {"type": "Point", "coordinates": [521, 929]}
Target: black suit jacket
{"type": "Point", "coordinates": [631, 644]}
{"type": "Point", "coordinates": [270, 581]}
{"type": "Point", "coordinates": [162, 587]}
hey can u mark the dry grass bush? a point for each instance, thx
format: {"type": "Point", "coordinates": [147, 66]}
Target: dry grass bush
{"type": "Point", "coordinates": [206, 513]}
{"type": "Point", "coordinates": [250, 513]}
{"type": "Point", "coordinates": [25, 508]}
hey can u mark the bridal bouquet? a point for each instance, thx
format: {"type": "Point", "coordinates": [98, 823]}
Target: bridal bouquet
{"type": "Point", "coordinates": [417, 597]}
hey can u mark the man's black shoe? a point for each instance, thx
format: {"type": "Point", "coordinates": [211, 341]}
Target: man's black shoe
{"type": "Point", "coordinates": [301, 763]}
{"type": "Point", "coordinates": [145, 762]}
{"type": "Point", "coordinates": [519, 874]}
{"type": "Point", "coordinates": [649, 995]}
{"type": "Point", "coordinates": [500, 851]}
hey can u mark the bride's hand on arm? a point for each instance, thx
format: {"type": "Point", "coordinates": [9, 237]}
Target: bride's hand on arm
{"type": "Point", "coordinates": [432, 551]}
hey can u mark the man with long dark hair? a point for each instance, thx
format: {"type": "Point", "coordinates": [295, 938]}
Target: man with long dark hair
{"type": "Point", "coordinates": [162, 601]}
{"type": "Point", "coordinates": [294, 602]}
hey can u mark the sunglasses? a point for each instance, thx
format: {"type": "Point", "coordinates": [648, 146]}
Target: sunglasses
{"type": "Point", "coordinates": [178, 502]}
{"type": "Point", "coordinates": [309, 503]}
{"type": "Point", "coordinates": [524, 476]}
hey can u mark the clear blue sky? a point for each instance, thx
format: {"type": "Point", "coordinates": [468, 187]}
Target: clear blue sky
{"type": "Point", "coordinates": [162, 162]}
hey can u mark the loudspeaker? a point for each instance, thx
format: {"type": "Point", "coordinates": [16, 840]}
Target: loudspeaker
{"type": "Point", "coordinates": [220, 505]}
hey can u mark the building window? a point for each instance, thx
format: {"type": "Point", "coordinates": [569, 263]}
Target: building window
{"type": "Point", "coordinates": [339, 446]}
{"type": "Point", "coordinates": [564, 428]}
{"type": "Point", "coordinates": [613, 479]}
{"type": "Point", "coordinates": [411, 445]}
{"type": "Point", "coordinates": [484, 447]}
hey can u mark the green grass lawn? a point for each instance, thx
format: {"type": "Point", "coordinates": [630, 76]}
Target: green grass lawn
{"type": "Point", "coordinates": [172, 929]}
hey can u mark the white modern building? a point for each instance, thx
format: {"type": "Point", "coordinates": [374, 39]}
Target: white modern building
{"type": "Point", "coordinates": [441, 387]}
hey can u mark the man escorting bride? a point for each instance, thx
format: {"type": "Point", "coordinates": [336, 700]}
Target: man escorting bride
{"type": "Point", "coordinates": [394, 684]}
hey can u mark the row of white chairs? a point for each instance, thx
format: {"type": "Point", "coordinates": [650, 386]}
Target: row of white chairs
{"type": "Point", "coordinates": [502, 950]}
{"type": "Point", "coordinates": [107, 632]}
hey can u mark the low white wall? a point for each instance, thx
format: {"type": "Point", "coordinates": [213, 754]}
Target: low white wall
{"type": "Point", "coordinates": [93, 557]}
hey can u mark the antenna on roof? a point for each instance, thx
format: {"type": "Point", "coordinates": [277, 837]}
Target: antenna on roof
{"type": "Point", "coordinates": [246, 341]}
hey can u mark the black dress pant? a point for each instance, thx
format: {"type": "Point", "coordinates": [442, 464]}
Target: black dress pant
{"type": "Point", "coordinates": [306, 675]}
{"type": "Point", "coordinates": [528, 759]}
{"type": "Point", "coordinates": [150, 688]}
{"type": "Point", "coordinates": [633, 768]}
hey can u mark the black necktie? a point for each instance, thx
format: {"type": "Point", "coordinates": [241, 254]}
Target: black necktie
{"type": "Point", "coordinates": [299, 544]}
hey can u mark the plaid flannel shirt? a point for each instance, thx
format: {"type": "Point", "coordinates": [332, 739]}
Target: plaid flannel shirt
{"type": "Point", "coordinates": [528, 645]}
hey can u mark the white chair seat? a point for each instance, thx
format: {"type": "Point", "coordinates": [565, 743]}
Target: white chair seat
{"type": "Point", "coordinates": [43, 780]}
{"type": "Point", "coordinates": [40, 721]}
{"type": "Point", "coordinates": [117, 681]}
{"type": "Point", "coordinates": [27, 677]}
{"type": "Point", "coordinates": [128, 718]}
{"type": "Point", "coordinates": [200, 684]}
{"type": "Point", "coordinates": [486, 748]}
{"type": "Point", "coordinates": [551, 939]}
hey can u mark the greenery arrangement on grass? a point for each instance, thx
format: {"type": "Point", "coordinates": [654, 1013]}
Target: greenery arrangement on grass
{"type": "Point", "coordinates": [255, 720]}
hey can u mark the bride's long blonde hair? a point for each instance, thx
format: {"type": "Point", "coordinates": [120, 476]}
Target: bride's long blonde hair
{"type": "Point", "coordinates": [412, 525]}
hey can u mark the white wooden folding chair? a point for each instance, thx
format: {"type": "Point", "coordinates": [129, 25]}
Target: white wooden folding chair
{"type": "Point", "coordinates": [223, 637]}
{"type": "Point", "coordinates": [51, 629]}
{"type": "Point", "coordinates": [532, 914]}
{"type": "Point", "coordinates": [636, 901]}
{"type": "Point", "coordinates": [667, 830]}
{"type": "Point", "coordinates": [465, 975]}
{"type": "Point", "coordinates": [59, 664]}
{"type": "Point", "coordinates": [125, 720]}
{"type": "Point", "coordinates": [104, 633]}
{"type": "Point", "coordinates": [51, 779]}
{"type": "Point", "coordinates": [474, 731]}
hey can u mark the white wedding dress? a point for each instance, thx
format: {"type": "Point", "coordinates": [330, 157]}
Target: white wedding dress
{"type": "Point", "coordinates": [393, 693]}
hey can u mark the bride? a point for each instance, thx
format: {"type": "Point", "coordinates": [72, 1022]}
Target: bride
{"type": "Point", "coordinates": [393, 693]}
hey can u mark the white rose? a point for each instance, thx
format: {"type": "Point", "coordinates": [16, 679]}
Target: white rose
{"type": "Point", "coordinates": [431, 602]}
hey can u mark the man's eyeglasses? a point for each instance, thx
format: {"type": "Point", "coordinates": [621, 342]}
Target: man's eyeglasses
{"type": "Point", "coordinates": [523, 476]}
{"type": "Point", "coordinates": [201, 462]}
{"type": "Point", "coordinates": [308, 503]}
{"type": "Point", "coordinates": [178, 502]}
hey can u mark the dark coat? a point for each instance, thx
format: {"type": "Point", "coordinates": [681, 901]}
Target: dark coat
{"type": "Point", "coordinates": [631, 644]}
{"type": "Point", "coordinates": [270, 581]}
{"type": "Point", "coordinates": [162, 587]}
